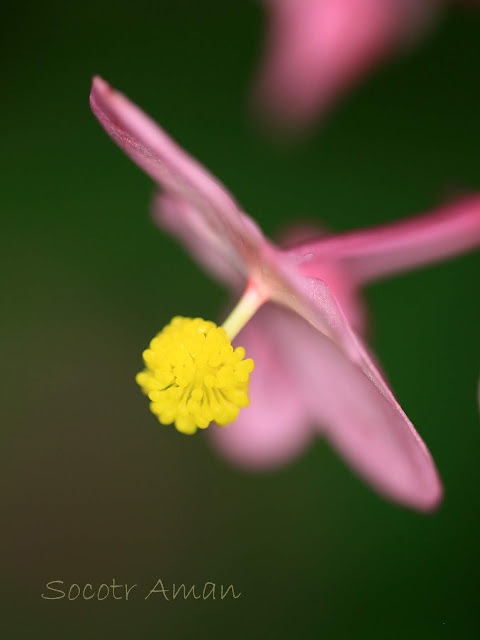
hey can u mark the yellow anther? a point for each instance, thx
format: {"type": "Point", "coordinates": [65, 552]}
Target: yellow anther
{"type": "Point", "coordinates": [193, 376]}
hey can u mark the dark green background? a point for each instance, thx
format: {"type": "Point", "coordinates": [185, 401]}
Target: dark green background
{"type": "Point", "coordinates": [92, 488]}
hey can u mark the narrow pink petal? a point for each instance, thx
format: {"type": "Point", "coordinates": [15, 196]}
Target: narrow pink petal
{"type": "Point", "coordinates": [389, 453]}
{"type": "Point", "coordinates": [188, 226]}
{"type": "Point", "coordinates": [177, 172]}
{"type": "Point", "coordinates": [374, 253]}
{"type": "Point", "coordinates": [358, 413]}
{"type": "Point", "coordinates": [273, 429]}
{"type": "Point", "coordinates": [316, 49]}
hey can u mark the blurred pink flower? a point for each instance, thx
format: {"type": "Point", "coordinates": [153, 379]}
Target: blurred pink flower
{"type": "Point", "coordinates": [316, 49]}
{"type": "Point", "coordinates": [311, 366]}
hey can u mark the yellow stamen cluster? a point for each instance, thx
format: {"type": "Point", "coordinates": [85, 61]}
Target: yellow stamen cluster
{"type": "Point", "coordinates": [193, 376]}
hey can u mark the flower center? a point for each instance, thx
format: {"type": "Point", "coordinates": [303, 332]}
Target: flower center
{"type": "Point", "coordinates": [193, 375]}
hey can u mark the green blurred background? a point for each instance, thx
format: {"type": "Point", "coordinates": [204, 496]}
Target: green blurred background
{"type": "Point", "coordinates": [92, 488]}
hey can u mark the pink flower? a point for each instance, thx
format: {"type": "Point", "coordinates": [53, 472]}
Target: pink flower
{"type": "Point", "coordinates": [312, 370]}
{"type": "Point", "coordinates": [316, 49]}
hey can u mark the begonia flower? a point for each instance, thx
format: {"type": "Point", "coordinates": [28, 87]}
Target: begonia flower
{"type": "Point", "coordinates": [300, 319]}
{"type": "Point", "coordinates": [316, 49]}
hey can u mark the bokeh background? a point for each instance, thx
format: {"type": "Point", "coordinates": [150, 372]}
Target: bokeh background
{"type": "Point", "coordinates": [92, 488]}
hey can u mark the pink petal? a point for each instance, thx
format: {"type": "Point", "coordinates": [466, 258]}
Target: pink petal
{"type": "Point", "coordinates": [317, 48]}
{"type": "Point", "coordinates": [273, 429]}
{"type": "Point", "coordinates": [177, 172]}
{"type": "Point", "coordinates": [356, 410]}
{"type": "Point", "coordinates": [374, 253]}
{"type": "Point", "coordinates": [186, 181]}
{"type": "Point", "coordinates": [185, 223]}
